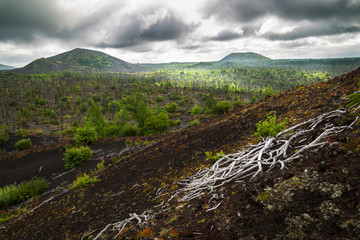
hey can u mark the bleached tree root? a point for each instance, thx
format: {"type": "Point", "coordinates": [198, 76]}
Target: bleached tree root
{"type": "Point", "coordinates": [285, 147]}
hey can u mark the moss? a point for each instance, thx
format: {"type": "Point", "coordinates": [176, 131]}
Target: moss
{"type": "Point", "coordinates": [147, 233]}
{"type": "Point", "coordinates": [328, 210]}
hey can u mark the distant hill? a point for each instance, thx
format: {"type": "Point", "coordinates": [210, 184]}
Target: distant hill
{"type": "Point", "coordinates": [5, 67]}
{"type": "Point", "coordinates": [244, 57]}
{"type": "Point", "coordinates": [79, 60]}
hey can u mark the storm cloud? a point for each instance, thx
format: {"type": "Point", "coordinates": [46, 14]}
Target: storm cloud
{"type": "Point", "coordinates": [149, 26]}
{"type": "Point", "coordinates": [23, 20]}
{"type": "Point", "coordinates": [187, 30]}
{"type": "Point", "coordinates": [226, 35]}
{"type": "Point", "coordinates": [327, 17]}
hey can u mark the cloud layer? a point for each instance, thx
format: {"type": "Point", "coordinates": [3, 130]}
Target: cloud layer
{"type": "Point", "coordinates": [160, 30]}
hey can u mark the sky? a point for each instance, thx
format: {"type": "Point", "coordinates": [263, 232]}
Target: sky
{"type": "Point", "coordinates": [143, 31]}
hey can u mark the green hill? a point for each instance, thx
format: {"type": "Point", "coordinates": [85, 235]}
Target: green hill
{"type": "Point", "coordinates": [244, 57]}
{"type": "Point", "coordinates": [79, 60]}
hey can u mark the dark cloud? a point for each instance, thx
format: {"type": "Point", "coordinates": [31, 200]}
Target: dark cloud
{"type": "Point", "coordinates": [226, 35]}
{"type": "Point", "coordinates": [134, 30]}
{"type": "Point", "coordinates": [22, 20]}
{"type": "Point", "coordinates": [250, 10]}
{"type": "Point", "coordinates": [329, 17]}
{"type": "Point", "coordinates": [295, 44]}
{"type": "Point", "coordinates": [25, 21]}
{"type": "Point", "coordinates": [237, 10]}
{"type": "Point", "coordinates": [313, 30]}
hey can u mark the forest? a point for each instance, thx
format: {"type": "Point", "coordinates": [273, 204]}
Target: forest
{"type": "Point", "coordinates": [127, 104]}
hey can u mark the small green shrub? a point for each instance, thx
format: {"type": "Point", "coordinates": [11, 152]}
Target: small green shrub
{"type": "Point", "coordinates": [83, 180]}
{"type": "Point", "coordinates": [269, 127]}
{"type": "Point", "coordinates": [129, 130]}
{"type": "Point", "coordinates": [196, 110]}
{"type": "Point", "coordinates": [23, 144]}
{"type": "Point", "coordinates": [4, 134]}
{"type": "Point", "coordinates": [157, 124]}
{"type": "Point", "coordinates": [354, 99]}
{"type": "Point", "coordinates": [222, 107]}
{"type": "Point", "coordinates": [85, 135]}
{"type": "Point", "coordinates": [113, 129]}
{"type": "Point", "coordinates": [172, 107]}
{"type": "Point", "coordinates": [159, 98]}
{"type": "Point", "coordinates": [214, 158]}
{"type": "Point", "coordinates": [75, 156]}
{"type": "Point", "coordinates": [195, 122]}
{"type": "Point", "coordinates": [100, 165]}
{"type": "Point", "coordinates": [13, 194]}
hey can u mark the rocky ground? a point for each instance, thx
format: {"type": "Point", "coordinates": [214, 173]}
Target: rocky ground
{"type": "Point", "coordinates": [315, 197]}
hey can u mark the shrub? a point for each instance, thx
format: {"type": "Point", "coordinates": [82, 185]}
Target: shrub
{"type": "Point", "coordinates": [354, 99]}
{"type": "Point", "coordinates": [269, 127]}
{"type": "Point", "coordinates": [159, 98]}
{"type": "Point", "coordinates": [13, 194]}
{"type": "Point", "coordinates": [195, 122]}
{"type": "Point", "coordinates": [4, 134]}
{"type": "Point", "coordinates": [222, 107]}
{"type": "Point", "coordinates": [85, 135]}
{"type": "Point", "coordinates": [196, 110]}
{"type": "Point", "coordinates": [157, 124]}
{"type": "Point", "coordinates": [113, 129]}
{"type": "Point", "coordinates": [172, 107]}
{"type": "Point", "coordinates": [214, 158]}
{"type": "Point", "coordinates": [101, 165]}
{"type": "Point", "coordinates": [75, 156]}
{"type": "Point", "coordinates": [237, 103]}
{"type": "Point", "coordinates": [83, 180]}
{"type": "Point", "coordinates": [129, 130]}
{"type": "Point", "coordinates": [23, 144]}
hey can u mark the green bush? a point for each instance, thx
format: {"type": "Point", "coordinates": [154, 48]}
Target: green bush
{"type": "Point", "coordinates": [157, 124]}
{"type": "Point", "coordinates": [269, 127]}
{"type": "Point", "coordinates": [85, 135]}
{"type": "Point", "coordinates": [159, 98]}
{"type": "Point", "coordinates": [222, 107]}
{"type": "Point", "coordinates": [196, 110]}
{"type": "Point", "coordinates": [13, 194]}
{"type": "Point", "coordinates": [354, 99]}
{"type": "Point", "coordinates": [195, 122]}
{"type": "Point", "coordinates": [113, 129]}
{"type": "Point", "coordinates": [23, 144]}
{"type": "Point", "coordinates": [172, 107]}
{"type": "Point", "coordinates": [214, 158]}
{"type": "Point", "coordinates": [4, 134]}
{"type": "Point", "coordinates": [75, 156]}
{"type": "Point", "coordinates": [83, 180]}
{"type": "Point", "coordinates": [129, 130]}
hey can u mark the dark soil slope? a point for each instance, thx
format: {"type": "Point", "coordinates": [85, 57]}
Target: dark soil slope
{"type": "Point", "coordinates": [316, 197]}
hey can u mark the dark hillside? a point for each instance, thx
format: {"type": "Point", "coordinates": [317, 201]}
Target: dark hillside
{"type": "Point", "coordinates": [244, 57]}
{"type": "Point", "coordinates": [315, 197]}
{"type": "Point", "coordinates": [44, 65]}
{"type": "Point", "coordinates": [95, 59]}
{"type": "Point", "coordinates": [83, 60]}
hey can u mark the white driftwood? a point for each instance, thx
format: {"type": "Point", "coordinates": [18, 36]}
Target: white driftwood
{"type": "Point", "coordinates": [264, 156]}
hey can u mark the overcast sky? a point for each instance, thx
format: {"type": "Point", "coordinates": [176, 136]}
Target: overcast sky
{"type": "Point", "coordinates": [184, 30]}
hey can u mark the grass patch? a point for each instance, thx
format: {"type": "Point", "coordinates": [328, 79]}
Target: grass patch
{"type": "Point", "coordinates": [13, 194]}
{"type": "Point", "coordinates": [75, 156]}
{"type": "Point", "coordinates": [23, 144]}
{"type": "Point", "coordinates": [83, 180]}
